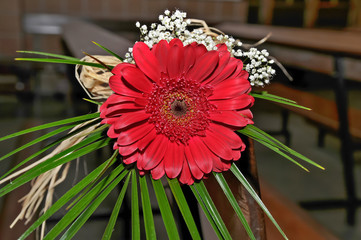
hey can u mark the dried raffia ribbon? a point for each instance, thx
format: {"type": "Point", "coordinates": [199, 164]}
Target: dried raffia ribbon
{"type": "Point", "coordinates": [95, 83]}
{"type": "Point", "coordinates": [95, 80]}
{"type": "Point", "coordinates": [46, 182]}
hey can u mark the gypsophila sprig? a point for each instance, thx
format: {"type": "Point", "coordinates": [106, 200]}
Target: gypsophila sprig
{"type": "Point", "coordinates": [175, 25]}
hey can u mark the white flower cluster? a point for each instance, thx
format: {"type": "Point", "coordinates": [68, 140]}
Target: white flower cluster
{"type": "Point", "coordinates": [257, 65]}
{"type": "Point", "coordinates": [174, 25]}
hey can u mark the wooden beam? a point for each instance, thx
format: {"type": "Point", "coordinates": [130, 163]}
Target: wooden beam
{"type": "Point", "coordinates": [310, 14]}
{"type": "Point", "coordinates": [354, 14]}
{"type": "Point", "coordinates": [265, 11]}
{"type": "Point", "coordinates": [294, 221]}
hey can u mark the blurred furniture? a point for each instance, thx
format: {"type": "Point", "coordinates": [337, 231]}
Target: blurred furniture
{"type": "Point", "coordinates": [312, 10]}
{"type": "Point", "coordinates": [336, 53]}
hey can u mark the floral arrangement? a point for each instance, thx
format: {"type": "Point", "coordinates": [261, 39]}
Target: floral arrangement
{"type": "Point", "coordinates": [171, 109]}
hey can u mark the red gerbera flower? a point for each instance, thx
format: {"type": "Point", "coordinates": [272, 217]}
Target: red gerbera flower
{"type": "Point", "coordinates": [174, 111]}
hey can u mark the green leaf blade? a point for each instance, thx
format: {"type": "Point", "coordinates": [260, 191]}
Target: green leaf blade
{"type": "Point", "coordinates": [79, 119]}
{"type": "Point", "coordinates": [50, 55]}
{"type": "Point", "coordinates": [67, 197]}
{"type": "Point", "coordinates": [90, 202]}
{"type": "Point", "coordinates": [277, 99]}
{"type": "Point", "coordinates": [114, 216]}
{"type": "Point", "coordinates": [202, 190]}
{"type": "Point", "coordinates": [184, 208]}
{"type": "Point", "coordinates": [242, 179]}
{"type": "Point", "coordinates": [109, 51]}
{"type": "Point", "coordinates": [165, 210]}
{"type": "Point", "coordinates": [206, 212]}
{"type": "Point", "coordinates": [232, 200]}
{"type": "Point", "coordinates": [51, 163]}
{"type": "Point", "coordinates": [63, 61]}
{"type": "Point", "coordinates": [135, 207]}
{"type": "Point", "coordinates": [147, 209]}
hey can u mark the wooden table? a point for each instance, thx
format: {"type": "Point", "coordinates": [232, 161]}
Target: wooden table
{"type": "Point", "coordinates": [333, 52]}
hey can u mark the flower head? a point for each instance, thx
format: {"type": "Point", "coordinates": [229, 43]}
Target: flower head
{"type": "Point", "coordinates": [174, 111]}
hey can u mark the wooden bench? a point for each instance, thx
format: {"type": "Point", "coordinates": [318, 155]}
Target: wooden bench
{"type": "Point", "coordinates": [336, 53]}
{"type": "Point", "coordinates": [323, 113]}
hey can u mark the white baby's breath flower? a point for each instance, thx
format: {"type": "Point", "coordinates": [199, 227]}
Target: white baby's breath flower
{"type": "Point", "coordinates": [174, 25]}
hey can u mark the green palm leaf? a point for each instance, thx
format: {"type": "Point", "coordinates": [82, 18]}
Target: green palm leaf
{"type": "Point", "coordinates": [74, 212]}
{"type": "Point", "coordinates": [48, 147]}
{"type": "Point", "coordinates": [64, 61]}
{"type": "Point", "coordinates": [147, 209]}
{"type": "Point", "coordinates": [79, 222]}
{"type": "Point", "coordinates": [211, 209]}
{"type": "Point", "coordinates": [135, 207]}
{"type": "Point", "coordinates": [165, 210]}
{"type": "Point", "coordinates": [274, 98]}
{"type": "Point", "coordinates": [238, 174]}
{"type": "Point", "coordinates": [114, 216]}
{"type": "Point", "coordinates": [78, 119]}
{"type": "Point", "coordinates": [65, 156]}
{"type": "Point", "coordinates": [68, 196]}
{"type": "Point", "coordinates": [49, 55]}
{"type": "Point", "coordinates": [184, 208]}
{"type": "Point", "coordinates": [109, 51]}
{"type": "Point", "coordinates": [232, 200]}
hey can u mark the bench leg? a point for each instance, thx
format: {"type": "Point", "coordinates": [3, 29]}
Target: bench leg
{"type": "Point", "coordinates": [285, 132]}
{"type": "Point", "coordinates": [321, 137]}
{"type": "Point", "coordinates": [346, 141]}
{"type": "Point", "coordinates": [351, 203]}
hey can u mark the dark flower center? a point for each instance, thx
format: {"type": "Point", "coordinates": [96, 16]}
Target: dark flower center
{"type": "Point", "coordinates": [179, 108]}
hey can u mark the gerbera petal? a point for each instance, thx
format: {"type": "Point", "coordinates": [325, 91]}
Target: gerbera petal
{"type": "Point", "coordinates": [115, 99]}
{"type": "Point", "coordinates": [133, 134]}
{"type": "Point", "coordinates": [229, 117]}
{"type": "Point", "coordinates": [217, 145]}
{"type": "Point", "coordinates": [230, 88]}
{"type": "Point", "coordinates": [222, 47]}
{"type": "Point", "coordinates": [173, 159]}
{"type": "Point", "coordinates": [144, 142]}
{"type": "Point", "coordinates": [130, 118]}
{"type": "Point", "coordinates": [175, 61]}
{"type": "Point", "coordinates": [199, 49]}
{"type": "Point", "coordinates": [137, 79]}
{"type": "Point", "coordinates": [186, 176]}
{"type": "Point", "coordinates": [227, 71]}
{"type": "Point", "coordinates": [131, 158]}
{"type": "Point", "coordinates": [160, 51]}
{"type": "Point", "coordinates": [118, 68]}
{"type": "Point", "coordinates": [239, 68]}
{"type": "Point", "coordinates": [221, 166]}
{"type": "Point", "coordinates": [201, 155]}
{"type": "Point", "coordinates": [154, 153]}
{"type": "Point", "coordinates": [246, 113]}
{"type": "Point", "coordinates": [234, 141]}
{"type": "Point", "coordinates": [236, 153]}
{"type": "Point", "coordinates": [224, 58]}
{"type": "Point", "coordinates": [118, 86]}
{"type": "Point", "coordinates": [189, 58]}
{"type": "Point", "coordinates": [127, 150]}
{"type": "Point", "coordinates": [112, 133]}
{"type": "Point", "coordinates": [146, 61]}
{"type": "Point", "coordinates": [119, 109]}
{"type": "Point", "coordinates": [236, 103]}
{"type": "Point", "coordinates": [203, 67]}
{"type": "Point", "coordinates": [158, 171]}
{"type": "Point", "coordinates": [193, 167]}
